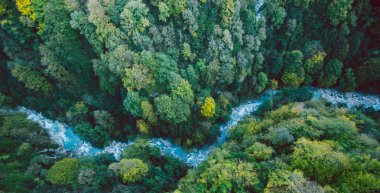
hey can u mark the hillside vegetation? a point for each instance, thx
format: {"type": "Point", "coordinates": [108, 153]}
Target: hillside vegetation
{"type": "Point", "coordinates": [174, 68]}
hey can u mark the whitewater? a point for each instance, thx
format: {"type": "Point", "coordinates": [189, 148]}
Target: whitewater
{"type": "Point", "coordinates": [64, 136]}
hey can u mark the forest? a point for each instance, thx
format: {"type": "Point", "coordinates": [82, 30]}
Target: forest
{"type": "Point", "coordinates": [123, 70]}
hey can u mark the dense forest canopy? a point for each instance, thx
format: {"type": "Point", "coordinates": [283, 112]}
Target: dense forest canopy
{"type": "Point", "coordinates": [123, 69]}
{"type": "Point", "coordinates": [115, 68]}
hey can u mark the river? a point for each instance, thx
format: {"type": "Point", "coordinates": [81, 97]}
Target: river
{"type": "Point", "coordinates": [64, 136]}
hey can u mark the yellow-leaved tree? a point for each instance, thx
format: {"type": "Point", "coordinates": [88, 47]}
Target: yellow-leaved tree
{"type": "Point", "coordinates": [208, 108]}
{"type": "Point", "coordinates": [24, 6]}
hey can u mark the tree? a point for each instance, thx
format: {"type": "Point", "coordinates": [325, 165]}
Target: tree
{"type": "Point", "coordinates": [279, 136]}
{"type": "Point", "coordinates": [337, 11]}
{"type": "Point", "coordinates": [132, 103]}
{"type": "Point", "coordinates": [164, 11]}
{"type": "Point", "coordinates": [227, 13]}
{"type": "Point", "coordinates": [104, 119]}
{"type": "Point", "coordinates": [107, 32]}
{"type": "Point", "coordinates": [293, 74]}
{"type": "Point", "coordinates": [259, 151]}
{"type": "Point", "coordinates": [275, 12]}
{"type": "Point", "coordinates": [186, 52]}
{"type": "Point", "coordinates": [86, 176]}
{"type": "Point", "coordinates": [97, 135]}
{"type": "Point", "coordinates": [133, 19]}
{"type": "Point", "coordinates": [288, 182]}
{"type": "Point", "coordinates": [148, 112]}
{"type": "Point", "coordinates": [24, 6]}
{"type": "Point", "coordinates": [318, 160]}
{"type": "Point", "coordinates": [78, 112]}
{"type": "Point", "coordinates": [347, 82]}
{"type": "Point", "coordinates": [208, 108]}
{"type": "Point", "coordinates": [143, 127]}
{"type": "Point", "coordinates": [170, 7]}
{"type": "Point", "coordinates": [31, 78]}
{"type": "Point", "coordinates": [262, 82]}
{"type": "Point", "coordinates": [138, 77]}
{"type": "Point", "coordinates": [291, 79]}
{"type": "Point", "coordinates": [172, 109]}
{"type": "Point", "coordinates": [130, 170]}
{"type": "Point", "coordinates": [312, 66]}
{"type": "Point", "coordinates": [226, 176]}
{"type": "Point", "coordinates": [331, 73]}
{"type": "Point", "coordinates": [63, 171]}
{"type": "Point", "coordinates": [293, 61]}
{"type": "Point", "coordinates": [181, 89]}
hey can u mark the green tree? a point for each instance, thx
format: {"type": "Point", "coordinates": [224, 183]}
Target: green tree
{"type": "Point", "coordinates": [104, 119]}
{"type": "Point", "coordinates": [291, 79]}
{"type": "Point", "coordinates": [275, 12]}
{"type": "Point", "coordinates": [164, 11]}
{"type": "Point", "coordinates": [318, 160]}
{"type": "Point", "coordinates": [132, 104]}
{"type": "Point", "coordinates": [262, 82]}
{"type": "Point", "coordinates": [97, 135]}
{"type": "Point", "coordinates": [347, 82]}
{"type": "Point", "coordinates": [181, 89]}
{"type": "Point", "coordinates": [148, 112]}
{"type": "Point", "coordinates": [138, 77]}
{"type": "Point", "coordinates": [31, 78]}
{"type": "Point", "coordinates": [228, 11]}
{"type": "Point", "coordinates": [63, 171]}
{"type": "Point", "coordinates": [130, 170]}
{"type": "Point", "coordinates": [331, 73]}
{"type": "Point", "coordinates": [259, 151]}
{"type": "Point", "coordinates": [172, 109]}
{"type": "Point", "coordinates": [187, 53]}
{"type": "Point", "coordinates": [337, 11]}
{"type": "Point", "coordinates": [134, 17]}
{"type": "Point", "coordinates": [222, 177]}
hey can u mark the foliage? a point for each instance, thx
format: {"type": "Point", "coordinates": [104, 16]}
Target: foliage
{"type": "Point", "coordinates": [208, 108]}
{"type": "Point", "coordinates": [31, 78]}
{"type": "Point", "coordinates": [318, 159]}
{"type": "Point", "coordinates": [259, 151]}
{"type": "Point", "coordinates": [314, 149]}
{"type": "Point", "coordinates": [63, 171]}
{"type": "Point", "coordinates": [172, 109]}
{"type": "Point", "coordinates": [130, 170]}
{"type": "Point", "coordinates": [107, 66]}
{"type": "Point", "coordinates": [96, 135]}
{"type": "Point", "coordinates": [132, 103]}
{"type": "Point", "coordinates": [347, 82]}
{"type": "Point", "coordinates": [148, 112]}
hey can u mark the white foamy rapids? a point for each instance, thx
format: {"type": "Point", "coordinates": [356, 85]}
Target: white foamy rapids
{"type": "Point", "coordinates": [64, 136]}
{"type": "Point", "coordinates": [351, 99]}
